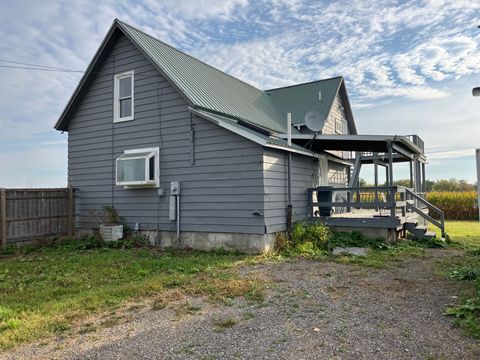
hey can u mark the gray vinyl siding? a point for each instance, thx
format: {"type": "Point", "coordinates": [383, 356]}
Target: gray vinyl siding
{"type": "Point", "coordinates": [275, 181]}
{"type": "Point", "coordinates": [305, 174]}
{"type": "Point", "coordinates": [219, 192]}
{"type": "Point", "coordinates": [337, 112]}
{"type": "Point", "coordinates": [337, 174]}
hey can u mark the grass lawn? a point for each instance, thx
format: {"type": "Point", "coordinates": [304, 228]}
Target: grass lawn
{"type": "Point", "coordinates": [466, 233]}
{"type": "Point", "coordinates": [466, 268]}
{"type": "Point", "coordinates": [44, 291]}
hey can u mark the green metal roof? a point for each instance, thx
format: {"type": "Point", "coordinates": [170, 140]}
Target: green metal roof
{"type": "Point", "coordinates": [209, 88]}
{"type": "Point", "coordinates": [302, 98]}
{"type": "Point", "coordinates": [251, 134]}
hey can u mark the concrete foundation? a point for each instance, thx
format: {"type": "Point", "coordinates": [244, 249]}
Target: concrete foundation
{"type": "Point", "coordinates": [248, 243]}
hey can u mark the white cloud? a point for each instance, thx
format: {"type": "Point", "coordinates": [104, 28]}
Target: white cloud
{"type": "Point", "coordinates": [452, 154]}
{"type": "Point", "coordinates": [388, 51]}
{"type": "Point", "coordinates": [188, 9]}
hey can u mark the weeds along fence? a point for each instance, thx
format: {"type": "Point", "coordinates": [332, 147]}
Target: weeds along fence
{"type": "Point", "coordinates": [456, 205]}
{"type": "Point", "coordinates": [28, 215]}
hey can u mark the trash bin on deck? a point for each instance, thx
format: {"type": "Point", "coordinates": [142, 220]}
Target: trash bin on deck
{"type": "Point", "coordinates": [325, 194]}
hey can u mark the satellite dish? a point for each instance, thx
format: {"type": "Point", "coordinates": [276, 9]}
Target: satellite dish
{"type": "Point", "coordinates": [314, 120]}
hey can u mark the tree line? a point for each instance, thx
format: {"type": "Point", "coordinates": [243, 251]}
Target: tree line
{"type": "Point", "coordinates": [435, 185]}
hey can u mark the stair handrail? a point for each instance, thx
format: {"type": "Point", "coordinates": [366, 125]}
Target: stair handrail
{"type": "Point", "coordinates": [430, 206]}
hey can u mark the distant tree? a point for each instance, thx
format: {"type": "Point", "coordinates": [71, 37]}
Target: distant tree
{"type": "Point", "coordinates": [363, 183]}
{"type": "Point", "coordinates": [452, 185]}
{"type": "Point", "coordinates": [402, 182]}
{"type": "Point", "coordinates": [432, 185]}
{"type": "Point", "coordinates": [429, 185]}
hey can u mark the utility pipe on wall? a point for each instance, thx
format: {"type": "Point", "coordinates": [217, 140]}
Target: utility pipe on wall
{"type": "Point", "coordinates": [178, 217]}
{"type": "Point", "coordinates": [174, 210]}
{"type": "Point", "coordinates": [289, 171]}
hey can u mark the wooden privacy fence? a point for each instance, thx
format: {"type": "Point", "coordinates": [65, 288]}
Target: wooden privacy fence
{"type": "Point", "coordinates": [32, 214]}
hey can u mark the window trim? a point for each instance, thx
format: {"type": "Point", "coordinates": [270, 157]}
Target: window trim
{"type": "Point", "coordinates": [116, 96]}
{"type": "Point", "coordinates": [339, 126]}
{"type": "Point", "coordinates": [153, 152]}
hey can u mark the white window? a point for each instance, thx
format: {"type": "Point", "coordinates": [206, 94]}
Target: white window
{"type": "Point", "coordinates": [123, 97]}
{"type": "Point", "coordinates": [139, 167]}
{"type": "Point", "coordinates": [339, 126]}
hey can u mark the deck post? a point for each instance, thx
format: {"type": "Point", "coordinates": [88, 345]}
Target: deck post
{"type": "Point", "coordinates": [423, 186]}
{"type": "Point", "coordinates": [390, 163]}
{"type": "Point", "coordinates": [393, 209]}
{"type": "Point", "coordinates": [411, 174]}
{"type": "Point", "coordinates": [418, 175]}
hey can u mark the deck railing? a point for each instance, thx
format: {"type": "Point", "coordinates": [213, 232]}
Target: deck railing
{"type": "Point", "coordinates": [417, 141]}
{"type": "Point", "coordinates": [323, 201]}
{"type": "Point", "coordinates": [417, 203]}
{"type": "Point", "coordinates": [395, 201]}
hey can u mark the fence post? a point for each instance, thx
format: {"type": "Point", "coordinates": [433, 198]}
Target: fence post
{"type": "Point", "coordinates": [3, 218]}
{"type": "Point", "coordinates": [71, 211]}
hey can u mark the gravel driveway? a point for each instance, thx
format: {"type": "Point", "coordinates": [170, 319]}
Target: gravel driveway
{"type": "Point", "coordinates": [312, 310]}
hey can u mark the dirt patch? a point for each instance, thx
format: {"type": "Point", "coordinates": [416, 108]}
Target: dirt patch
{"type": "Point", "coordinates": [311, 310]}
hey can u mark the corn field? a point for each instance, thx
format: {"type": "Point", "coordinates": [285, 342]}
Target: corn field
{"type": "Point", "coordinates": [456, 205]}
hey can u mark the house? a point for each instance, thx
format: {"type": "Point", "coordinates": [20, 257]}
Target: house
{"type": "Point", "coordinates": [195, 157]}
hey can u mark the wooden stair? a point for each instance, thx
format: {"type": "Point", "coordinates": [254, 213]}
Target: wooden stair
{"type": "Point", "coordinates": [420, 206]}
{"type": "Point", "coordinates": [419, 231]}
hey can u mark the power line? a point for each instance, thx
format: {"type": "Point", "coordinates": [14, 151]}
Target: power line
{"type": "Point", "coordinates": [38, 68]}
{"type": "Point", "coordinates": [35, 65]}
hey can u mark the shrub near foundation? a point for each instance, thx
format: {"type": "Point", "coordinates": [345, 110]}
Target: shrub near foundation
{"type": "Point", "coordinates": [456, 205]}
{"type": "Point", "coordinates": [307, 237]}
{"type": "Point", "coordinates": [315, 236]}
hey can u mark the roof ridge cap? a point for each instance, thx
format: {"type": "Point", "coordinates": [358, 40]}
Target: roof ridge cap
{"type": "Point", "coordinates": [305, 83]}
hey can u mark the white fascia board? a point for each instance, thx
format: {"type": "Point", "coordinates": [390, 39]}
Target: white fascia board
{"type": "Point", "coordinates": [394, 138]}
{"type": "Point", "coordinates": [248, 135]}
{"type": "Point", "coordinates": [296, 151]}
{"type": "Point", "coordinates": [332, 158]}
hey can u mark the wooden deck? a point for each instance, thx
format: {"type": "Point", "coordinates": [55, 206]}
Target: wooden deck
{"type": "Point", "coordinates": [372, 214]}
{"type": "Point", "coordinates": [371, 218]}
{"type": "Point", "coordinates": [376, 211]}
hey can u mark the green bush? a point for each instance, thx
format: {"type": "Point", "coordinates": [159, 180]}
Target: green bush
{"type": "Point", "coordinates": [456, 205]}
{"type": "Point", "coordinates": [308, 238]}
{"type": "Point", "coordinates": [132, 240]}
{"type": "Point", "coordinates": [355, 239]}
{"type": "Point", "coordinates": [317, 235]}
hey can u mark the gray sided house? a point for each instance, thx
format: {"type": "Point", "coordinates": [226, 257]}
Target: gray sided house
{"type": "Point", "coordinates": [194, 156]}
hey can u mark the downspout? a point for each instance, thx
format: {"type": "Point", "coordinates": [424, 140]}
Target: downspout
{"type": "Point", "coordinates": [289, 181]}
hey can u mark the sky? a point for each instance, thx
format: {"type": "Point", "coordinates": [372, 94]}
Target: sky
{"type": "Point", "coordinates": [409, 66]}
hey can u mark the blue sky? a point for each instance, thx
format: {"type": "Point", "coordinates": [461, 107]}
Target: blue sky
{"type": "Point", "coordinates": [409, 66]}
